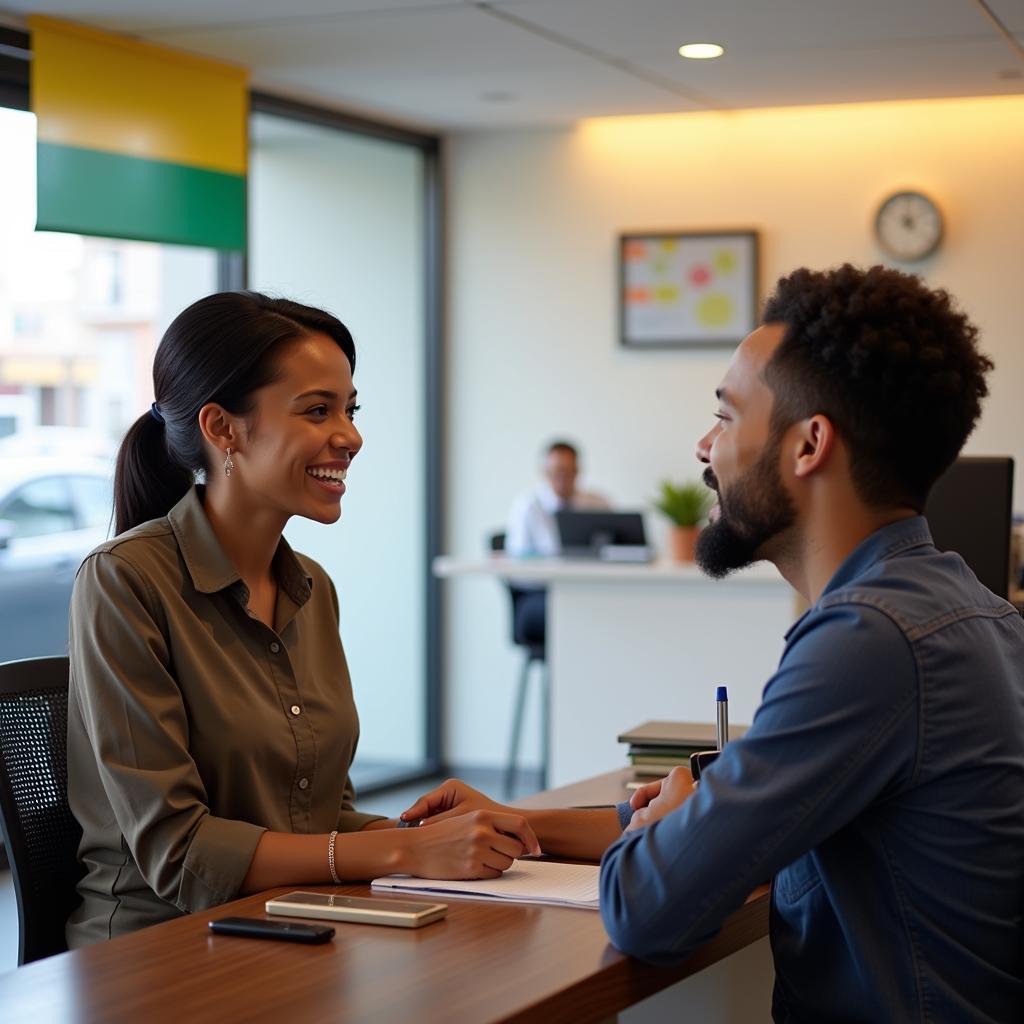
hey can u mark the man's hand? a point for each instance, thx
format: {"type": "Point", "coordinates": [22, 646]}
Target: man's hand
{"type": "Point", "coordinates": [449, 800]}
{"type": "Point", "coordinates": [657, 799]}
{"type": "Point", "coordinates": [645, 794]}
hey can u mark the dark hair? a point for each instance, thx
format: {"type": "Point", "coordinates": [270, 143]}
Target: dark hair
{"type": "Point", "coordinates": [562, 446]}
{"type": "Point", "coordinates": [221, 349]}
{"type": "Point", "coordinates": [893, 364]}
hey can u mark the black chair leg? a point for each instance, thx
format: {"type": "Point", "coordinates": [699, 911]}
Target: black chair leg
{"type": "Point", "coordinates": [517, 728]}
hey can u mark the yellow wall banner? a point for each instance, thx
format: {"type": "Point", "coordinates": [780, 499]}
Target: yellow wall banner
{"type": "Point", "coordinates": [137, 141]}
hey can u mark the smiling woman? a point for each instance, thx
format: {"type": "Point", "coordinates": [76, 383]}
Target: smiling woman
{"type": "Point", "coordinates": [211, 723]}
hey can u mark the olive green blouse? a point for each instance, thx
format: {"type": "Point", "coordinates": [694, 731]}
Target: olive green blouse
{"type": "Point", "coordinates": [192, 726]}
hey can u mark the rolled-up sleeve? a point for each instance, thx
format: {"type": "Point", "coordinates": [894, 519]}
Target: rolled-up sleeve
{"type": "Point", "coordinates": [133, 714]}
{"type": "Point", "coordinates": [819, 750]}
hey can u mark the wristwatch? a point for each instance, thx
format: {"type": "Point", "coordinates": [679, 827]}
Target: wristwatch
{"type": "Point", "coordinates": [410, 824]}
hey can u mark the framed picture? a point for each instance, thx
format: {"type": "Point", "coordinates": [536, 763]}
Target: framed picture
{"type": "Point", "coordinates": [687, 288]}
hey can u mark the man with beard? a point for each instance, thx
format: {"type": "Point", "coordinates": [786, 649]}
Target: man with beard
{"type": "Point", "coordinates": [881, 785]}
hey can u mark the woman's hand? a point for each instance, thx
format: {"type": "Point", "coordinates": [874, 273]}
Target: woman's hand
{"type": "Point", "coordinates": [449, 800]}
{"type": "Point", "coordinates": [672, 792]}
{"type": "Point", "coordinates": [477, 844]}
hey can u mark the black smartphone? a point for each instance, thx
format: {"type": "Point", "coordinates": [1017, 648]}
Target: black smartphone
{"type": "Point", "coordinates": [284, 931]}
{"type": "Point", "coordinates": [701, 760]}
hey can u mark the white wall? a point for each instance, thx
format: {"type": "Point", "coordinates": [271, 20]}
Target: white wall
{"type": "Point", "coordinates": [533, 312]}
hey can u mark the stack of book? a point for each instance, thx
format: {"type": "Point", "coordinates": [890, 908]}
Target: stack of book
{"type": "Point", "coordinates": [655, 748]}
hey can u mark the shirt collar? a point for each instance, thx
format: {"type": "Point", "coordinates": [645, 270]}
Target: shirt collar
{"type": "Point", "coordinates": [550, 501]}
{"type": "Point", "coordinates": [890, 540]}
{"type": "Point", "coordinates": [207, 562]}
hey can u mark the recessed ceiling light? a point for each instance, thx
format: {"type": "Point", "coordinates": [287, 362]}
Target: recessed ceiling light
{"type": "Point", "coordinates": [701, 51]}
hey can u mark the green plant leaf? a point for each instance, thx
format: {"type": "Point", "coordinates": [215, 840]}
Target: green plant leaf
{"type": "Point", "coordinates": [685, 504]}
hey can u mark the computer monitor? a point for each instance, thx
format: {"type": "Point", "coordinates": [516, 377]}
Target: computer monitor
{"type": "Point", "coordinates": [970, 512]}
{"type": "Point", "coordinates": [591, 534]}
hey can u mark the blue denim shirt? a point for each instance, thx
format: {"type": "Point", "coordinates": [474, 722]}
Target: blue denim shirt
{"type": "Point", "coordinates": [882, 785]}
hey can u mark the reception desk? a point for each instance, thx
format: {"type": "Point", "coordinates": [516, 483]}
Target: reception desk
{"type": "Point", "coordinates": [627, 643]}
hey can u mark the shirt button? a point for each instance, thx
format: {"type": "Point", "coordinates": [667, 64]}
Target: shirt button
{"type": "Point", "coordinates": [303, 783]}
{"type": "Point", "coordinates": [275, 647]}
{"type": "Point", "coordinates": [296, 710]}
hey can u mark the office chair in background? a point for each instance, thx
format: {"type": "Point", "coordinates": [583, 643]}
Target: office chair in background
{"type": "Point", "coordinates": [535, 655]}
{"type": "Point", "coordinates": [970, 511]}
{"type": "Point", "coordinates": [39, 831]}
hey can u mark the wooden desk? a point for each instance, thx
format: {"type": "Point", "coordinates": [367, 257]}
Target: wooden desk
{"type": "Point", "coordinates": [486, 962]}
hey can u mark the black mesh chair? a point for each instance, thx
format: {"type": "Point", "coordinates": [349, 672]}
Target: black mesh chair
{"type": "Point", "coordinates": [39, 831]}
{"type": "Point", "coordinates": [533, 644]}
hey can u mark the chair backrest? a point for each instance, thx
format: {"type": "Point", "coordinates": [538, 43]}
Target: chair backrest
{"type": "Point", "coordinates": [39, 830]}
{"type": "Point", "coordinates": [970, 511]}
{"type": "Point", "coordinates": [496, 545]}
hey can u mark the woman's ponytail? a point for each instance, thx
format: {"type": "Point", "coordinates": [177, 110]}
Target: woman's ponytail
{"type": "Point", "coordinates": [221, 349]}
{"type": "Point", "coordinates": [148, 483]}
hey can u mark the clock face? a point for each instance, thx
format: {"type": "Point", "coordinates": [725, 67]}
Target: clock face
{"type": "Point", "coordinates": [909, 226]}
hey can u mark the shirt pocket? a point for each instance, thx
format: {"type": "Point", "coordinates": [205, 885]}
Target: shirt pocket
{"type": "Point", "coordinates": [794, 882]}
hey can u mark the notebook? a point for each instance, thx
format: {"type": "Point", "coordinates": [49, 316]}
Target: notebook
{"type": "Point", "coordinates": [527, 881]}
{"type": "Point", "coordinates": [699, 735]}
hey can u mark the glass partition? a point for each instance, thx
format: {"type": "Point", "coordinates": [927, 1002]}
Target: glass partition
{"type": "Point", "coordinates": [337, 220]}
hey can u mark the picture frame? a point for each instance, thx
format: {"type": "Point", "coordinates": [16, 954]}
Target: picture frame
{"type": "Point", "coordinates": [687, 289]}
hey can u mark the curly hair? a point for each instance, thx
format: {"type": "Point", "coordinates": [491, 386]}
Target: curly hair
{"type": "Point", "coordinates": [893, 364]}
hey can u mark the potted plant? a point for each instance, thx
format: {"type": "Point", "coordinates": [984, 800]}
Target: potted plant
{"type": "Point", "coordinates": [686, 506]}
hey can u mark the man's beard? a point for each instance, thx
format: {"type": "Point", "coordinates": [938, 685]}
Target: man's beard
{"type": "Point", "coordinates": [757, 509]}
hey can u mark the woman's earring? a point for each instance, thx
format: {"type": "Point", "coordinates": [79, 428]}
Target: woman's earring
{"type": "Point", "coordinates": [228, 464]}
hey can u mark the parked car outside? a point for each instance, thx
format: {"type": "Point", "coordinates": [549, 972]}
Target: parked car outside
{"type": "Point", "coordinates": [52, 515]}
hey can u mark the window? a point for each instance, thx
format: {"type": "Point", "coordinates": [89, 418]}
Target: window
{"type": "Point", "coordinates": [38, 508]}
{"type": "Point", "coordinates": [80, 319]}
{"type": "Point", "coordinates": [92, 500]}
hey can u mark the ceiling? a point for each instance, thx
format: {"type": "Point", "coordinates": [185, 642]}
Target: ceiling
{"type": "Point", "coordinates": [460, 65]}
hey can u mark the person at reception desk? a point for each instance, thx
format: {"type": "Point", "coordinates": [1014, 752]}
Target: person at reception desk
{"type": "Point", "coordinates": [532, 531]}
{"type": "Point", "coordinates": [211, 723]}
{"type": "Point", "coordinates": [881, 784]}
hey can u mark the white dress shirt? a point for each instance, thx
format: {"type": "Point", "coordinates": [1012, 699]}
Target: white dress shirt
{"type": "Point", "coordinates": [532, 530]}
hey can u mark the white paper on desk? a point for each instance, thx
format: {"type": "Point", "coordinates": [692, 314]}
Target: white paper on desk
{"type": "Point", "coordinates": [527, 881]}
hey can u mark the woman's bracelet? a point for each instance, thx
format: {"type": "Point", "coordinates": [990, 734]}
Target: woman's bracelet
{"type": "Point", "coordinates": [330, 856]}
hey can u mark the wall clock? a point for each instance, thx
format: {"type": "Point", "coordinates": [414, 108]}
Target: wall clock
{"type": "Point", "coordinates": [909, 226]}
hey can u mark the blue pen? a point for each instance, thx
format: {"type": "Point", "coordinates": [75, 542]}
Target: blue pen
{"type": "Point", "coordinates": [722, 705]}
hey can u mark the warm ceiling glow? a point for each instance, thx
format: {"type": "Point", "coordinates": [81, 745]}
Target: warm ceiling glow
{"type": "Point", "coordinates": [701, 51]}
